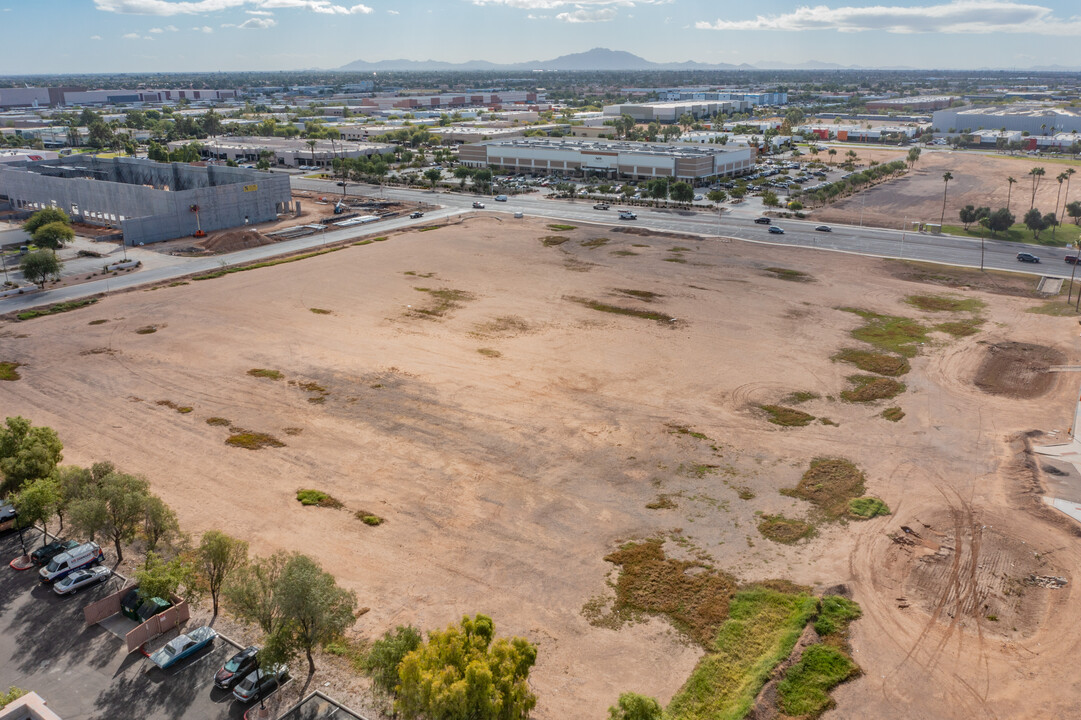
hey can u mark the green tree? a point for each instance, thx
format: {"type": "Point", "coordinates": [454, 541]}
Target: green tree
{"type": "Point", "coordinates": [1001, 220]}
{"type": "Point", "coordinates": [682, 192]}
{"type": "Point", "coordinates": [217, 558]}
{"type": "Point", "coordinates": [1074, 211]}
{"type": "Point", "coordinates": [160, 526]}
{"type": "Point", "coordinates": [658, 188]}
{"type": "Point", "coordinates": [386, 655]}
{"type": "Point", "coordinates": [632, 706]}
{"type": "Point", "coordinates": [116, 507]}
{"type": "Point", "coordinates": [717, 196]}
{"type": "Point", "coordinates": [101, 135]}
{"type": "Point", "coordinates": [628, 190]}
{"type": "Point", "coordinates": [27, 453]}
{"type": "Point", "coordinates": [946, 177]}
{"type": "Point", "coordinates": [913, 157]}
{"type": "Point", "coordinates": [463, 173]}
{"type": "Point", "coordinates": [463, 673]}
{"type": "Point", "coordinates": [433, 176]}
{"type": "Point", "coordinates": [53, 235]}
{"type": "Point", "coordinates": [968, 215]}
{"type": "Point", "coordinates": [40, 267]}
{"type": "Point", "coordinates": [1036, 174]}
{"type": "Point", "coordinates": [73, 483]}
{"type": "Point", "coordinates": [252, 593]}
{"type": "Point", "coordinates": [44, 217]}
{"type": "Point", "coordinates": [1034, 221]}
{"type": "Point", "coordinates": [769, 199]}
{"type": "Point", "coordinates": [37, 501]}
{"type": "Point", "coordinates": [160, 579]}
{"type": "Point", "coordinates": [13, 693]}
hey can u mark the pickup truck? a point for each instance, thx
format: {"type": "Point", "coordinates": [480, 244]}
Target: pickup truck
{"type": "Point", "coordinates": [478, 206]}
{"type": "Point", "coordinates": [627, 215]}
{"type": "Point", "coordinates": [600, 206]}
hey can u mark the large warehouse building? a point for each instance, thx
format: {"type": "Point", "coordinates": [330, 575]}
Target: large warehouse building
{"type": "Point", "coordinates": [670, 112]}
{"type": "Point", "coordinates": [150, 201]}
{"type": "Point", "coordinates": [611, 159]}
{"type": "Point", "coordinates": [285, 152]}
{"type": "Point", "coordinates": [1033, 118]}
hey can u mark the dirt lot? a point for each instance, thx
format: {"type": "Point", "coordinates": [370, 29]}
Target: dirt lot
{"type": "Point", "coordinates": [510, 398]}
{"type": "Point", "coordinates": [978, 180]}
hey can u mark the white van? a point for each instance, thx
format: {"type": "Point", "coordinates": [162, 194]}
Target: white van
{"type": "Point", "coordinates": [66, 563]}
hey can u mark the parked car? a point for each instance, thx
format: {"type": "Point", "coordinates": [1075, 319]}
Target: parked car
{"type": "Point", "coordinates": [236, 668]}
{"type": "Point", "coordinates": [7, 511]}
{"type": "Point", "coordinates": [518, 215]}
{"type": "Point", "coordinates": [135, 607]}
{"type": "Point", "coordinates": [43, 555]}
{"type": "Point", "coordinates": [762, 220]}
{"type": "Point", "coordinates": [1027, 257]}
{"type": "Point", "coordinates": [260, 683]}
{"type": "Point", "coordinates": [183, 646]}
{"type": "Point", "coordinates": [600, 206]}
{"type": "Point", "coordinates": [87, 577]}
{"type": "Point", "coordinates": [824, 228]}
{"type": "Point", "coordinates": [68, 562]}
{"type": "Point", "coordinates": [415, 215]}
{"type": "Point", "coordinates": [627, 215]}
{"type": "Point", "coordinates": [501, 198]}
{"type": "Point", "coordinates": [478, 205]}
{"type": "Point", "coordinates": [776, 230]}
{"type": "Point", "coordinates": [1072, 259]}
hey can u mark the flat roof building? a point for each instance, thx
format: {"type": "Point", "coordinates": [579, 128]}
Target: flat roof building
{"type": "Point", "coordinates": [670, 112]}
{"type": "Point", "coordinates": [286, 152]}
{"type": "Point", "coordinates": [613, 159]}
{"type": "Point", "coordinates": [1033, 118]}
{"type": "Point", "coordinates": [916, 102]}
{"type": "Point", "coordinates": [150, 201]}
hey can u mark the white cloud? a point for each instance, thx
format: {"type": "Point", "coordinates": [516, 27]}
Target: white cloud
{"type": "Point", "coordinates": [579, 4]}
{"type": "Point", "coordinates": [581, 15]}
{"type": "Point", "coordinates": [204, 29]}
{"type": "Point", "coordinates": [258, 23]}
{"type": "Point", "coordinates": [95, 37]}
{"type": "Point", "coordinates": [172, 28]}
{"type": "Point", "coordinates": [959, 17]}
{"type": "Point", "coordinates": [156, 31]}
{"type": "Point", "coordinates": [263, 13]}
{"type": "Point", "coordinates": [393, 12]}
{"type": "Point", "coordinates": [166, 8]}
{"type": "Point", "coordinates": [131, 36]}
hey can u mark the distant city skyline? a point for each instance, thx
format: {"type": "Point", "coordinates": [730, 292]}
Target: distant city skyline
{"type": "Point", "coordinates": [90, 36]}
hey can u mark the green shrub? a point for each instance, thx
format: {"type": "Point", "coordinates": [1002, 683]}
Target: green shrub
{"type": "Point", "coordinates": [867, 507]}
{"type": "Point", "coordinates": [835, 613]}
{"type": "Point", "coordinates": [317, 497]}
{"type": "Point", "coordinates": [804, 692]}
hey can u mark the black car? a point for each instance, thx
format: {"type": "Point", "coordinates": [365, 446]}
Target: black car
{"type": "Point", "coordinates": [1027, 257]}
{"type": "Point", "coordinates": [762, 220]}
{"type": "Point", "coordinates": [43, 555]}
{"type": "Point", "coordinates": [1072, 259]}
{"type": "Point", "coordinates": [415, 215]}
{"type": "Point", "coordinates": [236, 668]}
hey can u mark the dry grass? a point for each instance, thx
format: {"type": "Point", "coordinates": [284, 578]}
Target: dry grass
{"type": "Point", "coordinates": [944, 303]}
{"type": "Point", "coordinates": [264, 373]}
{"type": "Point", "coordinates": [657, 317]}
{"type": "Point", "coordinates": [800, 396]}
{"type": "Point", "coordinates": [780, 529]}
{"type": "Point", "coordinates": [893, 414]}
{"type": "Point", "coordinates": [97, 322]}
{"type": "Point", "coordinates": [250, 440]}
{"type": "Point", "coordinates": [9, 371]}
{"type": "Point", "coordinates": [554, 240]}
{"type": "Point", "coordinates": [320, 311]}
{"type": "Point", "coordinates": [594, 243]}
{"type": "Point", "coordinates": [643, 295]}
{"type": "Point", "coordinates": [829, 484]}
{"type": "Point", "coordinates": [787, 274]}
{"type": "Point", "coordinates": [870, 361]}
{"type": "Point", "coordinates": [147, 330]}
{"type": "Point", "coordinates": [503, 326]}
{"type": "Point", "coordinates": [443, 301]}
{"type": "Point", "coordinates": [182, 409]}
{"type": "Point", "coordinates": [218, 421]}
{"type": "Point", "coordinates": [490, 352]}
{"type": "Point", "coordinates": [786, 416]}
{"type": "Point", "coordinates": [868, 388]}
{"type": "Point", "coordinates": [663, 502]}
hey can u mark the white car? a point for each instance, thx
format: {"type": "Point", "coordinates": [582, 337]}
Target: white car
{"type": "Point", "coordinates": [81, 579]}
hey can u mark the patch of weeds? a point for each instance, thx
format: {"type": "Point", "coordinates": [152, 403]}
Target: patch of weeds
{"type": "Point", "coordinates": [878, 363]}
{"type": "Point", "coordinates": [868, 388]}
{"type": "Point", "coordinates": [643, 295]}
{"type": "Point", "coordinates": [804, 691]}
{"type": "Point", "coordinates": [443, 301]}
{"type": "Point", "coordinates": [944, 303]}
{"type": "Point", "coordinates": [368, 518]}
{"type": "Point", "coordinates": [182, 409]}
{"type": "Point", "coordinates": [892, 333]}
{"type": "Point", "coordinates": [318, 497]}
{"type": "Point", "coordinates": [835, 614]}
{"type": "Point", "coordinates": [320, 311]}
{"type": "Point", "coordinates": [312, 387]}
{"type": "Point", "coordinates": [429, 228]}
{"type": "Point", "coordinates": [786, 416]}
{"type": "Point", "coordinates": [503, 326]}
{"type": "Point", "coordinates": [562, 228]}
{"type": "Point", "coordinates": [800, 396]}
{"type": "Point", "coordinates": [745, 493]}
{"type": "Point", "coordinates": [867, 507]}
{"type": "Point", "coordinates": [269, 263]}
{"type": "Point", "coordinates": [98, 322]}
{"type": "Point", "coordinates": [829, 484]}
{"type": "Point", "coordinates": [827, 421]}
{"type": "Point", "coordinates": [489, 352]}
{"type": "Point", "coordinates": [780, 529]}
{"type": "Point", "coordinates": [893, 414]}
{"type": "Point", "coordinates": [57, 308]}
{"type": "Point", "coordinates": [623, 253]}
{"type": "Point", "coordinates": [663, 502]}
{"type": "Point", "coordinates": [318, 400]}
{"type": "Point", "coordinates": [417, 274]}
{"type": "Point", "coordinates": [678, 249]}
{"type": "Point", "coordinates": [639, 245]}
{"type": "Point", "coordinates": [1054, 308]}
{"type": "Point", "coordinates": [658, 317]}
{"type": "Point", "coordinates": [147, 330]}
{"type": "Point", "coordinates": [575, 265]}
{"type": "Point", "coordinates": [264, 373]}
{"type": "Point", "coordinates": [252, 440]}
{"type": "Point", "coordinates": [961, 328]}
{"type": "Point", "coordinates": [218, 421]}
{"type": "Point", "coordinates": [554, 240]}
{"type": "Point", "coordinates": [594, 243]}
{"type": "Point", "coordinates": [993, 618]}
{"type": "Point", "coordinates": [292, 431]}
{"type": "Point", "coordinates": [788, 274]}
{"type": "Point", "coordinates": [684, 430]}
{"type": "Point", "coordinates": [700, 470]}
{"type": "Point", "coordinates": [10, 371]}
{"type": "Point", "coordinates": [675, 260]}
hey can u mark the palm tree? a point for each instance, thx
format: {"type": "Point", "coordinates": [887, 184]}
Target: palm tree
{"type": "Point", "coordinates": [1036, 173]}
{"type": "Point", "coordinates": [946, 177]}
{"type": "Point", "coordinates": [1069, 172]}
{"type": "Point", "coordinates": [311, 145]}
{"type": "Point", "coordinates": [831, 152]}
{"type": "Point", "coordinates": [1011, 181]}
{"type": "Point", "coordinates": [1060, 177]}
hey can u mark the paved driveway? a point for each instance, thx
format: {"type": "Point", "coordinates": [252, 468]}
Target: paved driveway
{"type": "Point", "coordinates": [84, 673]}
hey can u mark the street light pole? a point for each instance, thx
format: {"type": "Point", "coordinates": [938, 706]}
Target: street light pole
{"type": "Point", "coordinates": [1073, 270]}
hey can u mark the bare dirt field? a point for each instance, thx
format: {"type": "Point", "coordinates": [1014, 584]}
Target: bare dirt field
{"type": "Point", "coordinates": [510, 398]}
{"type": "Point", "coordinates": [978, 180]}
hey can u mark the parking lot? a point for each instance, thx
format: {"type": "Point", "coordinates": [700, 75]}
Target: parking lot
{"type": "Point", "coordinates": [84, 673]}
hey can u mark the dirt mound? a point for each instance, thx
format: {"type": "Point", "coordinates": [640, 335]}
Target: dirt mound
{"type": "Point", "coordinates": [1017, 369]}
{"type": "Point", "coordinates": [232, 240]}
{"type": "Point", "coordinates": [644, 232]}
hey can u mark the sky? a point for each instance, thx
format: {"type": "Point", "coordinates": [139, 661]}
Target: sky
{"type": "Point", "coordinates": [87, 36]}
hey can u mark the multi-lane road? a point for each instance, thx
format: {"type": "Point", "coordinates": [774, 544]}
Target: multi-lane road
{"type": "Point", "coordinates": [735, 222]}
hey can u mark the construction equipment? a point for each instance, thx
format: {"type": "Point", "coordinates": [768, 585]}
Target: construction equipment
{"type": "Point", "coordinates": [198, 227]}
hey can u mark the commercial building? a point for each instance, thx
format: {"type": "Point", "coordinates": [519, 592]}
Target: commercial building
{"type": "Point", "coordinates": [150, 201]}
{"type": "Point", "coordinates": [916, 102]}
{"type": "Point", "coordinates": [42, 96]}
{"type": "Point", "coordinates": [285, 152]}
{"type": "Point", "coordinates": [670, 112]}
{"type": "Point", "coordinates": [1033, 118]}
{"type": "Point", "coordinates": [612, 159]}
{"type": "Point", "coordinates": [499, 98]}
{"type": "Point", "coordinates": [752, 99]}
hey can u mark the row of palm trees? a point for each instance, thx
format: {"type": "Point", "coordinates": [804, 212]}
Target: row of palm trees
{"type": "Point", "coordinates": [1036, 173]}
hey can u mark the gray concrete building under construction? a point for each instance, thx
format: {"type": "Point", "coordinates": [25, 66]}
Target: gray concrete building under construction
{"type": "Point", "coordinates": [150, 201]}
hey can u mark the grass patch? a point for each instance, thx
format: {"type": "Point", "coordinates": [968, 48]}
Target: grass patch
{"type": "Point", "coordinates": [318, 497]}
{"type": "Point", "coordinates": [745, 493]}
{"type": "Point", "coordinates": [868, 388]}
{"type": "Point", "coordinates": [762, 628]}
{"type": "Point", "coordinates": [644, 295]}
{"type": "Point", "coordinates": [658, 317]}
{"type": "Point", "coordinates": [623, 253]}
{"type": "Point", "coordinates": [562, 228]}
{"type": "Point", "coordinates": [98, 322]}
{"type": "Point", "coordinates": [684, 430]}
{"type": "Point", "coordinates": [443, 301]}
{"type": "Point", "coordinates": [829, 484]}
{"type": "Point", "coordinates": [870, 361]}
{"type": "Point", "coordinates": [218, 421]}
{"type": "Point", "coordinates": [663, 502]}
{"type": "Point", "coordinates": [594, 243]}
{"type": "Point", "coordinates": [182, 409]}
{"type": "Point", "coordinates": [780, 529]}
{"type": "Point", "coordinates": [804, 691]}
{"type": "Point", "coordinates": [786, 416]}
{"type": "Point", "coordinates": [147, 330]}
{"type": "Point", "coordinates": [56, 309]}
{"type": "Point", "coordinates": [893, 414]}
{"type": "Point", "coordinates": [791, 275]}
{"type": "Point", "coordinates": [269, 263]}
{"type": "Point", "coordinates": [675, 260]}
{"type": "Point", "coordinates": [292, 431]}
{"type": "Point", "coordinates": [696, 602]}
{"type": "Point", "coordinates": [252, 440]}
{"type": "Point", "coordinates": [800, 396]}
{"type": "Point", "coordinates": [368, 518]}
{"type": "Point", "coordinates": [960, 328]}
{"type": "Point", "coordinates": [827, 421]}
{"type": "Point", "coordinates": [867, 507]}
{"type": "Point", "coordinates": [428, 228]}
{"type": "Point", "coordinates": [1066, 234]}
{"type": "Point", "coordinates": [944, 303]}
{"type": "Point", "coordinates": [489, 352]}
{"type": "Point", "coordinates": [312, 387]}
{"type": "Point", "coordinates": [892, 333]}
{"type": "Point", "coordinates": [10, 371]}
{"type": "Point", "coordinates": [417, 274]}
{"type": "Point", "coordinates": [554, 240]}
{"type": "Point", "coordinates": [320, 311]}
{"type": "Point", "coordinates": [1054, 308]}
{"type": "Point", "coordinates": [503, 326]}
{"type": "Point", "coordinates": [264, 373]}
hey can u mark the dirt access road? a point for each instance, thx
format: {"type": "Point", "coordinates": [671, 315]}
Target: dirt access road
{"type": "Point", "coordinates": [461, 385]}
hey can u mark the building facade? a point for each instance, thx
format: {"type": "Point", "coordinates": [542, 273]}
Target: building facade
{"type": "Point", "coordinates": [285, 152]}
{"type": "Point", "coordinates": [1033, 118]}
